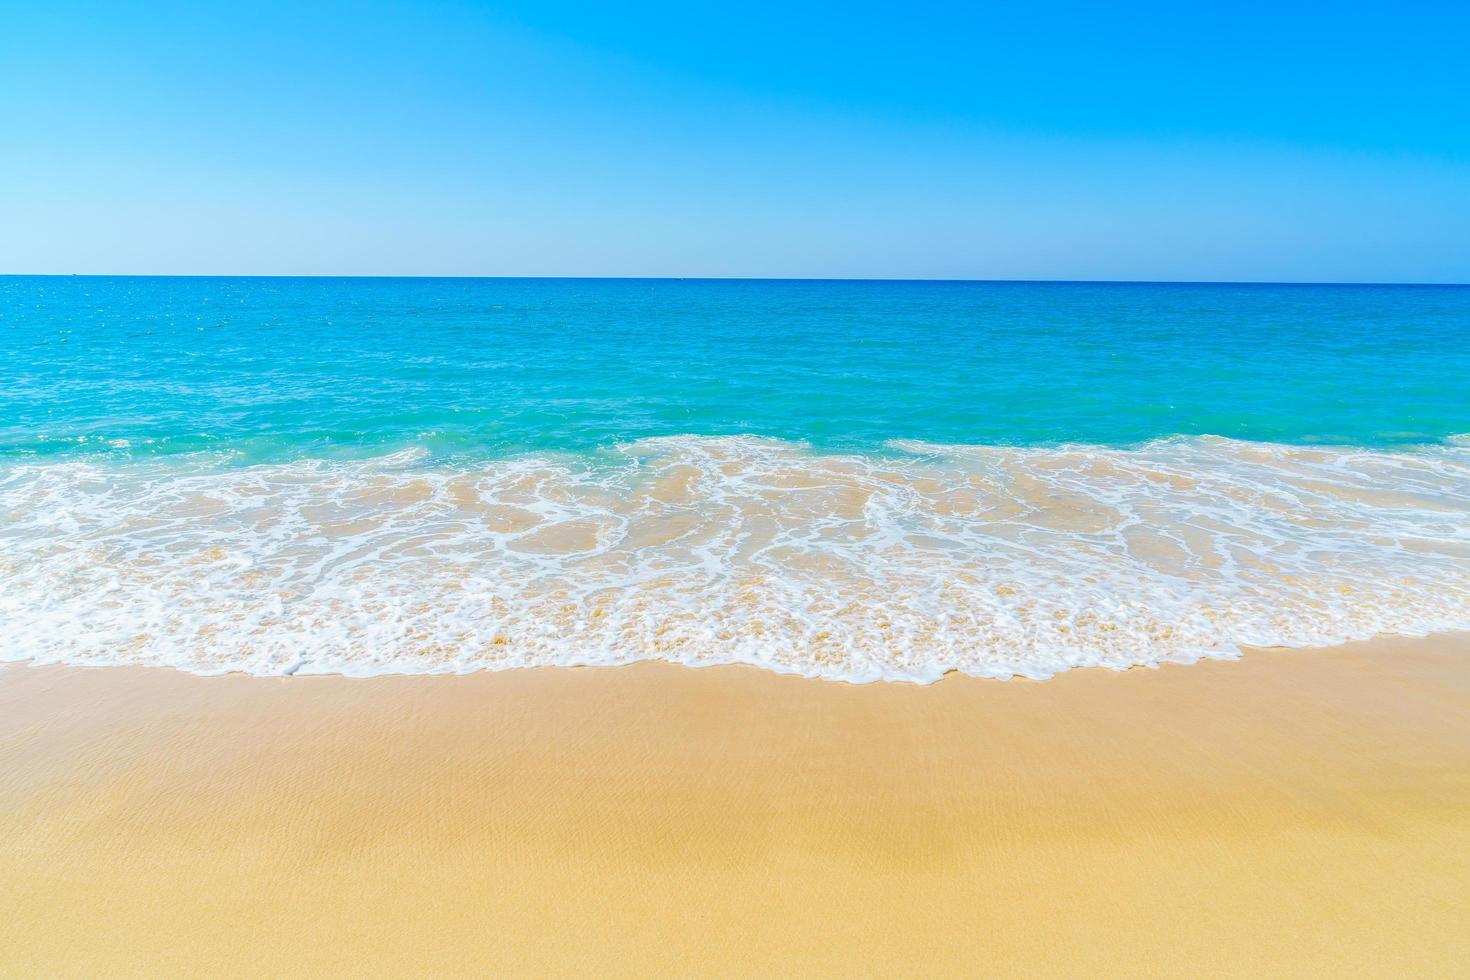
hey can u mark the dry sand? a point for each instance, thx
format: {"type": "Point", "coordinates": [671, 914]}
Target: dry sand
{"type": "Point", "coordinates": [1293, 813]}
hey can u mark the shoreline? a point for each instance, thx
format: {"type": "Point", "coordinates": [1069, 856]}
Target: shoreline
{"type": "Point", "coordinates": [1222, 655]}
{"type": "Point", "coordinates": [1294, 810]}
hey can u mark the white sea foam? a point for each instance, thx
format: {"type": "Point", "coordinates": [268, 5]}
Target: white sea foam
{"type": "Point", "coordinates": [992, 561]}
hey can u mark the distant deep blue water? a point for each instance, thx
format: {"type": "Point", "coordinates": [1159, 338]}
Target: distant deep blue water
{"type": "Point", "coordinates": [852, 480]}
{"type": "Point", "coordinates": [280, 369]}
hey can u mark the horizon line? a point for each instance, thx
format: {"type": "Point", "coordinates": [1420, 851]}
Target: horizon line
{"type": "Point", "coordinates": [793, 279]}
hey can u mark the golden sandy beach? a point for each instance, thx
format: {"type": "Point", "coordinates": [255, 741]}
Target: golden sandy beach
{"type": "Point", "coordinates": [1292, 813]}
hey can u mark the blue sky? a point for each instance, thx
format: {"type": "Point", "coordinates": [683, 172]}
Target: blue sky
{"type": "Point", "coordinates": [1129, 141]}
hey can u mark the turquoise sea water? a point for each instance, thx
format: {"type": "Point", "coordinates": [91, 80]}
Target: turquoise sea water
{"type": "Point", "coordinates": [279, 369]}
{"type": "Point", "coordinates": [858, 480]}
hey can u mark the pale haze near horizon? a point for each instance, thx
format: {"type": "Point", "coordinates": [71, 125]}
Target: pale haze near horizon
{"type": "Point", "coordinates": [500, 139]}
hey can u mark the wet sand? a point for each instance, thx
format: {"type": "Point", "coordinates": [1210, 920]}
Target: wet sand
{"type": "Point", "coordinates": [1292, 813]}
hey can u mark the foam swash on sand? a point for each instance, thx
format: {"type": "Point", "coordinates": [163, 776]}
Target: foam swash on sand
{"type": "Point", "coordinates": [988, 560]}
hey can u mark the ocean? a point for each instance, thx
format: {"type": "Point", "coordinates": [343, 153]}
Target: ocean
{"type": "Point", "coordinates": [853, 480]}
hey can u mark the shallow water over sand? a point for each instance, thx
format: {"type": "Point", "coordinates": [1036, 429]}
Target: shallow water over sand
{"type": "Point", "coordinates": [989, 560]}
